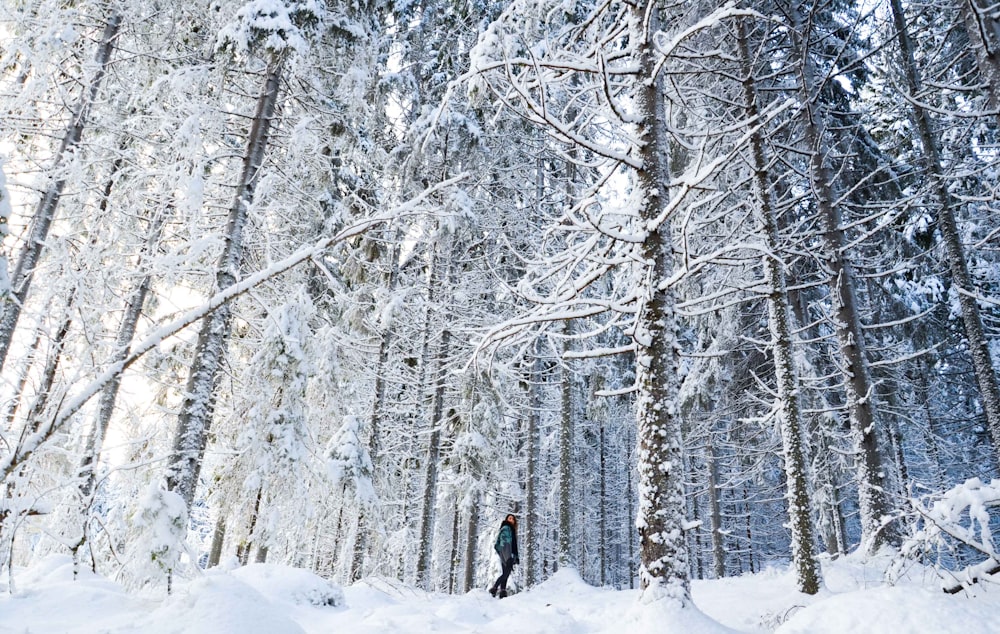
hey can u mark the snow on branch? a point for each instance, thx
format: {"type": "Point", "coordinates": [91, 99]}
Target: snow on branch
{"type": "Point", "coordinates": [272, 25]}
{"type": "Point", "coordinates": [10, 462]}
{"type": "Point", "coordinates": [598, 352]}
{"type": "Point", "coordinates": [955, 520]}
{"type": "Point", "coordinates": [729, 10]}
{"type": "Point", "coordinates": [979, 298]}
{"type": "Point", "coordinates": [5, 213]}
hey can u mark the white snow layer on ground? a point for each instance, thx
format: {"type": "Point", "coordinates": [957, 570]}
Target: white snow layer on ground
{"type": "Point", "coordinates": [272, 599]}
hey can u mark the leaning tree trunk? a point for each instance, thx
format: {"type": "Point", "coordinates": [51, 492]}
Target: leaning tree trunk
{"type": "Point", "coordinates": [663, 551]}
{"type": "Point", "coordinates": [979, 349]}
{"type": "Point", "coordinates": [10, 413]}
{"type": "Point", "coordinates": [872, 501]}
{"type": "Point", "coordinates": [780, 325]}
{"type": "Point", "coordinates": [13, 512]}
{"type": "Point", "coordinates": [196, 412]}
{"type": "Point", "coordinates": [45, 212]}
{"type": "Point", "coordinates": [123, 343]}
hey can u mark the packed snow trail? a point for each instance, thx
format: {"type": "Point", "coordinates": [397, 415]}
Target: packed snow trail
{"type": "Point", "coordinates": [273, 599]}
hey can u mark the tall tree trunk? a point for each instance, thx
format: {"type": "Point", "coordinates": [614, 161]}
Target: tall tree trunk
{"type": "Point", "coordinates": [218, 539]}
{"type": "Point", "coordinates": [429, 499]}
{"type": "Point", "coordinates": [87, 474]}
{"type": "Point", "coordinates": [453, 569]}
{"type": "Point", "coordinates": [631, 495]}
{"type": "Point", "coordinates": [663, 550]}
{"type": "Point", "coordinates": [46, 210]}
{"type": "Point", "coordinates": [12, 513]}
{"type": "Point", "coordinates": [923, 393]}
{"type": "Point", "coordinates": [780, 326]}
{"type": "Point", "coordinates": [362, 536]}
{"type": "Point", "coordinates": [565, 557]}
{"type": "Point", "coordinates": [979, 350]}
{"type": "Point", "coordinates": [602, 513]}
{"type": "Point", "coordinates": [872, 499]}
{"type": "Point", "coordinates": [531, 528]}
{"type": "Point", "coordinates": [718, 538]}
{"type": "Point", "coordinates": [244, 548]}
{"type": "Point", "coordinates": [471, 539]}
{"type": "Point", "coordinates": [123, 343]}
{"type": "Point", "coordinates": [196, 412]}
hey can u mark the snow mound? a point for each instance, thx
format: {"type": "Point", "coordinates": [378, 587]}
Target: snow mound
{"type": "Point", "coordinates": [47, 599]}
{"type": "Point", "coordinates": [888, 610]}
{"type": "Point", "coordinates": [566, 603]}
{"type": "Point", "coordinates": [290, 585]}
{"type": "Point", "coordinates": [219, 604]}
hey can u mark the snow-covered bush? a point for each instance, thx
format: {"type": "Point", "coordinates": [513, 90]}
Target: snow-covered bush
{"type": "Point", "coordinates": [291, 585]}
{"type": "Point", "coordinates": [348, 462]}
{"type": "Point", "coordinates": [162, 522]}
{"type": "Point", "coordinates": [949, 527]}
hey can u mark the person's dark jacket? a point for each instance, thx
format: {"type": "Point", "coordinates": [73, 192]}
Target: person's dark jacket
{"type": "Point", "coordinates": [506, 545]}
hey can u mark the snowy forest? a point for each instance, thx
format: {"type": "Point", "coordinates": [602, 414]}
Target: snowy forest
{"type": "Point", "coordinates": [692, 288]}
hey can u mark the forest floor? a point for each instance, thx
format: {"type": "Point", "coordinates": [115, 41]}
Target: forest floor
{"type": "Point", "coordinates": [272, 599]}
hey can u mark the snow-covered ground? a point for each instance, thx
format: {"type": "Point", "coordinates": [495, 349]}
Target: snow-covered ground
{"type": "Point", "coordinates": [269, 599]}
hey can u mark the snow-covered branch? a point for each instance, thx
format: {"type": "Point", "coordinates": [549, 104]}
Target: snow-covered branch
{"type": "Point", "coordinates": [73, 404]}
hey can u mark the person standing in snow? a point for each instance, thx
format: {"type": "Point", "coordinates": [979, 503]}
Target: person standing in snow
{"type": "Point", "coordinates": [506, 547]}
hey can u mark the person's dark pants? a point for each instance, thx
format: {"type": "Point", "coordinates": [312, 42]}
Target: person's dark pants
{"type": "Point", "coordinates": [505, 568]}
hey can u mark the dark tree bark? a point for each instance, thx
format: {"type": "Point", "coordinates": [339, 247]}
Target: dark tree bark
{"type": "Point", "coordinates": [663, 550]}
{"type": "Point", "coordinates": [435, 424]}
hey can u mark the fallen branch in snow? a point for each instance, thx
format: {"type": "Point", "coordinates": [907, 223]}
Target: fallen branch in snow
{"type": "Point", "coordinates": [974, 574]}
{"type": "Point", "coordinates": [951, 520]}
